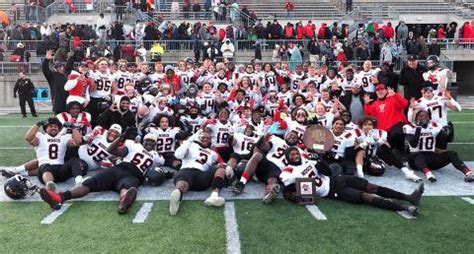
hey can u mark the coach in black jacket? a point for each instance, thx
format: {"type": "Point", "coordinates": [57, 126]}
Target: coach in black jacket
{"type": "Point", "coordinates": [56, 80]}
{"type": "Point", "coordinates": [25, 89]}
{"type": "Point", "coordinates": [119, 113]}
{"type": "Point", "coordinates": [411, 78]}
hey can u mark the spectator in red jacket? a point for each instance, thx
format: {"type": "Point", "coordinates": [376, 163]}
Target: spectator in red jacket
{"type": "Point", "coordinates": [172, 79]}
{"type": "Point", "coordinates": [388, 109]}
{"type": "Point", "coordinates": [441, 33]}
{"type": "Point", "coordinates": [128, 52]}
{"type": "Point", "coordinates": [388, 31]}
{"type": "Point", "coordinates": [309, 30]}
{"type": "Point", "coordinates": [322, 31]}
{"type": "Point", "coordinates": [289, 31]}
{"type": "Point", "coordinates": [299, 31]}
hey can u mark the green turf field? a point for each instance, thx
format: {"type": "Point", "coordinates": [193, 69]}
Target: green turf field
{"type": "Point", "coordinates": [445, 224]}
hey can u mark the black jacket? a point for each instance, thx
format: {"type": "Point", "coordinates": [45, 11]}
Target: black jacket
{"type": "Point", "coordinates": [109, 117]}
{"type": "Point", "coordinates": [412, 80]}
{"type": "Point", "coordinates": [56, 82]}
{"type": "Point", "coordinates": [24, 88]}
{"type": "Point", "coordinates": [346, 99]}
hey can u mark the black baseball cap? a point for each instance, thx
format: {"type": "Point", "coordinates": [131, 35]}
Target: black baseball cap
{"type": "Point", "coordinates": [412, 58]}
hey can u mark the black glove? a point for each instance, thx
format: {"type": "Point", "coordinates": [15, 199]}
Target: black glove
{"type": "Point", "coordinates": [42, 123]}
{"type": "Point", "coordinates": [68, 125]}
{"type": "Point", "coordinates": [169, 175]}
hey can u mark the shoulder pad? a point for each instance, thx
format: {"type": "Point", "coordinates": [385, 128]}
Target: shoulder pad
{"type": "Point", "coordinates": [357, 132]}
{"type": "Point", "coordinates": [348, 135]}
{"type": "Point", "coordinates": [288, 170]}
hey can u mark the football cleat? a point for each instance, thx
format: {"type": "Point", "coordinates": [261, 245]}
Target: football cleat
{"type": "Point", "coordinates": [412, 210]}
{"type": "Point", "coordinates": [272, 195]}
{"type": "Point", "coordinates": [52, 198]}
{"type": "Point", "coordinates": [214, 201]}
{"type": "Point", "coordinates": [175, 199]}
{"type": "Point", "coordinates": [7, 173]}
{"type": "Point", "coordinates": [469, 177]}
{"type": "Point", "coordinates": [430, 177]}
{"type": "Point", "coordinates": [126, 200]}
{"type": "Point", "coordinates": [415, 196]}
{"type": "Point", "coordinates": [413, 177]}
{"type": "Point", "coordinates": [238, 188]}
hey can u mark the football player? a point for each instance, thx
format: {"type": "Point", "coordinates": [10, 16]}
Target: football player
{"type": "Point", "coordinates": [266, 162]}
{"type": "Point", "coordinates": [342, 156]}
{"type": "Point", "coordinates": [421, 138]}
{"type": "Point", "coordinates": [364, 77]}
{"type": "Point", "coordinates": [242, 144]}
{"type": "Point", "coordinates": [350, 189]}
{"type": "Point", "coordinates": [372, 144]}
{"type": "Point", "coordinates": [198, 172]}
{"type": "Point", "coordinates": [193, 116]}
{"type": "Point", "coordinates": [221, 133]}
{"type": "Point", "coordinates": [123, 178]}
{"type": "Point", "coordinates": [436, 74]}
{"type": "Point", "coordinates": [167, 136]}
{"type": "Point", "coordinates": [50, 148]}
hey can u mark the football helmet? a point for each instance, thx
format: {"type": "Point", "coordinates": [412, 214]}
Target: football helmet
{"type": "Point", "coordinates": [374, 166]}
{"type": "Point", "coordinates": [155, 176]}
{"type": "Point", "coordinates": [19, 187]}
{"type": "Point", "coordinates": [432, 62]}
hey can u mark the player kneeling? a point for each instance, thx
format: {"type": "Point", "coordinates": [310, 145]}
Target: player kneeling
{"type": "Point", "coordinates": [123, 178]}
{"type": "Point", "coordinates": [350, 189]}
{"type": "Point", "coordinates": [197, 172]}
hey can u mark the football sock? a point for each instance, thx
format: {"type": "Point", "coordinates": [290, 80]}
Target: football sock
{"type": "Point", "coordinates": [66, 195]}
{"type": "Point", "coordinates": [21, 170]}
{"type": "Point", "coordinates": [426, 170]}
{"type": "Point", "coordinates": [467, 171]}
{"type": "Point", "coordinates": [389, 193]}
{"type": "Point", "coordinates": [386, 204]}
{"type": "Point", "coordinates": [245, 178]}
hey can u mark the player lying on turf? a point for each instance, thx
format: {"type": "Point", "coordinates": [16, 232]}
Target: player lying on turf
{"type": "Point", "coordinates": [267, 160]}
{"type": "Point", "coordinates": [123, 178]}
{"type": "Point", "coordinates": [350, 189]}
{"type": "Point", "coordinates": [422, 138]}
{"type": "Point", "coordinates": [199, 171]}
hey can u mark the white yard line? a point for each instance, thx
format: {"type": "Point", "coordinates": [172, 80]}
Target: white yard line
{"type": "Point", "coordinates": [406, 215]}
{"type": "Point", "coordinates": [142, 214]}
{"type": "Point", "coordinates": [316, 213]}
{"type": "Point", "coordinates": [55, 214]}
{"type": "Point", "coordinates": [15, 126]}
{"type": "Point", "coordinates": [231, 229]}
{"type": "Point", "coordinates": [469, 200]}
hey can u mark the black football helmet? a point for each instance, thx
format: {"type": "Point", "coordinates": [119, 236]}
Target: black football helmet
{"type": "Point", "coordinates": [374, 166]}
{"type": "Point", "coordinates": [155, 176]}
{"type": "Point", "coordinates": [19, 187]}
{"type": "Point", "coordinates": [432, 62]}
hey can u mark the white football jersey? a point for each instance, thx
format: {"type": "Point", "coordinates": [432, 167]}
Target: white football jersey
{"type": "Point", "coordinates": [142, 158]}
{"type": "Point", "coordinates": [308, 169]}
{"type": "Point", "coordinates": [365, 79]}
{"type": "Point", "coordinates": [436, 107]}
{"type": "Point", "coordinates": [436, 76]}
{"type": "Point", "coordinates": [198, 157]}
{"type": "Point", "coordinates": [195, 123]}
{"type": "Point", "coordinates": [122, 78]}
{"type": "Point", "coordinates": [427, 141]}
{"type": "Point", "coordinates": [325, 120]}
{"type": "Point", "coordinates": [295, 80]}
{"type": "Point", "coordinates": [276, 154]}
{"type": "Point", "coordinates": [207, 103]}
{"type": "Point", "coordinates": [244, 144]}
{"type": "Point", "coordinates": [287, 97]}
{"type": "Point", "coordinates": [157, 78]}
{"type": "Point", "coordinates": [378, 136]}
{"type": "Point", "coordinates": [221, 133]}
{"type": "Point", "coordinates": [82, 122]}
{"type": "Point", "coordinates": [103, 82]}
{"type": "Point", "coordinates": [186, 77]}
{"type": "Point", "coordinates": [95, 152]}
{"type": "Point", "coordinates": [166, 141]}
{"type": "Point", "coordinates": [341, 142]}
{"type": "Point", "coordinates": [299, 129]}
{"type": "Point", "coordinates": [270, 81]}
{"type": "Point", "coordinates": [51, 150]}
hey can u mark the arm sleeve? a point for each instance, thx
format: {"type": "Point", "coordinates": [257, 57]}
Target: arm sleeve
{"type": "Point", "coordinates": [46, 70]}
{"type": "Point", "coordinates": [182, 150]}
{"type": "Point", "coordinates": [369, 109]}
{"type": "Point", "coordinates": [413, 138]}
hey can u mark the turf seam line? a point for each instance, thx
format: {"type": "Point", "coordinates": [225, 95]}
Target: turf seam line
{"type": "Point", "coordinates": [55, 214]}
{"type": "Point", "coordinates": [231, 229]}
{"type": "Point", "coordinates": [142, 214]}
{"type": "Point", "coordinates": [316, 213]}
{"type": "Point", "coordinates": [469, 200]}
{"type": "Point", "coordinates": [406, 215]}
